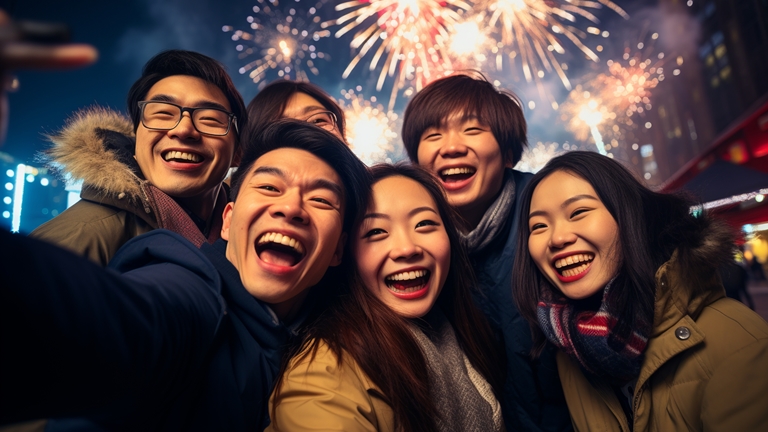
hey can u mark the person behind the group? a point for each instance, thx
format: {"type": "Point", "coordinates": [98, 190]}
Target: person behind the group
{"type": "Point", "coordinates": [470, 135]}
{"type": "Point", "coordinates": [404, 349]}
{"type": "Point", "coordinates": [624, 282]}
{"type": "Point", "coordinates": [161, 168]}
{"type": "Point", "coordinates": [298, 100]}
{"type": "Point", "coordinates": [171, 336]}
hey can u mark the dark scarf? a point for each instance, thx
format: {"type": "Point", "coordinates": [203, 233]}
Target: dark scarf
{"type": "Point", "coordinates": [494, 219]}
{"type": "Point", "coordinates": [589, 337]}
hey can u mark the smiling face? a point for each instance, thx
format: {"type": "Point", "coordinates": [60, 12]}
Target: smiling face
{"type": "Point", "coordinates": [285, 227]}
{"type": "Point", "coordinates": [401, 248]}
{"type": "Point", "coordinates": [573, 239]}
{"type": "Point", "coordinates": [302, 106]}
{"type": "Point", "coordinates": [466, 157]}
{"type": "Point", "coordinates": [182, 162]}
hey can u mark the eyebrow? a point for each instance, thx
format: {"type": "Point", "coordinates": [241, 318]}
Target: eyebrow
{"type": "Point", "coordinates": [315, 184]}
{"type": "Point", "coordinates": [565, 203]}
{"type": "Point", "coordinates": [410, 213]}
{"type": "Point", "coordinates": [200, 104]}
{"type": "Point", "coordinates": [311, 109]}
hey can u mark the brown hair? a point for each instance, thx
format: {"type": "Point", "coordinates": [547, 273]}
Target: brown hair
{"type": "Point", "coordinates": [268, 105]}
{"type": "Point", "coordinates": [471, 96]}
{"type": "Point", "coordinates": [357, 323]}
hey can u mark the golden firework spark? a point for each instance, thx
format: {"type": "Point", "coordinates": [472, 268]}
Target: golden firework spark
{"type": "Point", "coordinates": [370, 128]}
{"type": "Point", "coordinates": [282, 43]}
{"type": "Point", "coordinates": [408, 38]}
{"type": "Point", "coordinates": [536, 31]}
{"type": "Point", "coordinates": [535, 157]}
{"type": "Point", "coordinates": [614, 102]}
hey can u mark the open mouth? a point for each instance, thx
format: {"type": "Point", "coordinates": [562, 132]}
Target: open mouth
{"type": "Point", "coordinates": [281, 250]}
{"type": "Point", "coordinates": [407, 281]}
{"type": "Point", "coordinates": [183, 157]}
{"type": "Point", "coordinates": [573, 265]}
{"type": "Point", "coordinates": [450, 175]}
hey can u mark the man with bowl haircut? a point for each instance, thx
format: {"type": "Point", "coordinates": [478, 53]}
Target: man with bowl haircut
{"type": "Point", "coordinates": [172, 337]}
{"type": "Point", "coordinates": [162, 168]}
{"type": "Point", "coordinates": [470, 135]}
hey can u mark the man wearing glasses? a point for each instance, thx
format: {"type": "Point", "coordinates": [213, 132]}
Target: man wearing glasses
{"type": "Point", "coordinates": [163, 168]}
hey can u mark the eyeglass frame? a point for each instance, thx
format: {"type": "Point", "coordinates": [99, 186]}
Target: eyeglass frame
{"type": "Point", "coordinates": [334, 119]}
{"type": "Point", "coordinates": [191, 111]}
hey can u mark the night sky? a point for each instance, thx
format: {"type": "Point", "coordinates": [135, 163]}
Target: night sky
{"type": "Point", "coordinates": [128, 33]}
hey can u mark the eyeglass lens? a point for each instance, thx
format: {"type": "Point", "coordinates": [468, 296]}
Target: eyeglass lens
{"type": "Point", "coordinates": [160, 115]}
{"type": "Point", "coordinates": [324, 120]}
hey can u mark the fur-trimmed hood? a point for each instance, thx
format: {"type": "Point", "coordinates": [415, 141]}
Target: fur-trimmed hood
{"type": "Point", "coordinates": [96, 146]}
{"type": "Point", "coordinates": [689, 281]}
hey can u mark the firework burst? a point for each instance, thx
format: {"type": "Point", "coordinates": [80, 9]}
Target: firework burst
{"type": "Point", "coordinates": [535, 157]}
{"type": "Point", "coordinates": [407, 37]}
{"type": "Point", "coordinates": [535, 32]}
{"type": "Point", "coordinates": [282, 45]}
{"type": "Point", "coordinates": [370, 128]}
{"type": "Point", "coordinates": [614, 102]}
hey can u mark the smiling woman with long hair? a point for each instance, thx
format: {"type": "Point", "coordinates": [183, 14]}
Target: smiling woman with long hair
{"type": "Point", "coordinates": [624, 282]}
{"type": "Point", "coordinates": [401, 348]}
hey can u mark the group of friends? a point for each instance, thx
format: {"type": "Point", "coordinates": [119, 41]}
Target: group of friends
{"type": "Point", "coordinates": [310, 292]}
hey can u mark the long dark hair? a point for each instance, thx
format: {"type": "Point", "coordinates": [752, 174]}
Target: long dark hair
{"type": "Point", "coordinates": [651, 226]}
{"type": "Point", "coordinates": [268, 105]}
{"type": "Point", "coordinates": [357, 323]}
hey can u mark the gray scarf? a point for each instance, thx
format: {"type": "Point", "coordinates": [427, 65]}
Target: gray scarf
{"type": "Point", "coordinates": [494, 218]}
{"type": "Point", "coordinates": [463, 398]}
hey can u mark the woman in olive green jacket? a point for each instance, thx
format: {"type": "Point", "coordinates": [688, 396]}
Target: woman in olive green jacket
{"type": "Point", "coordinates": [624, 282]}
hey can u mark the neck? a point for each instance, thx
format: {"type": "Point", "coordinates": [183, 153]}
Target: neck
{"type": "Point", "coordinates": [288, 309]}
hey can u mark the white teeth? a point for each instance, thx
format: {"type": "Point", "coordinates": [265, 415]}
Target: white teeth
{"type": "Point", "coordinates": [173, 154]}
{"type": "Point", "coordinates": [410, 275]}
{"type": "Point", "coordinates": [573, 259]}
{"type": "Point", "coordinates": [455, 171]}
{"type": "Point", "coordinates": [278, 238]}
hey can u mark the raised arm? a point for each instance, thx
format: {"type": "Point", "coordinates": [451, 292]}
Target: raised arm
{"type": "Point", "coordinates": [76, 338]}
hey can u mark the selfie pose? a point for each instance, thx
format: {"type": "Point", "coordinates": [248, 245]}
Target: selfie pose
{"type": "Point", "coordinates": [624, 282]}
{"type": "Point", "coordinates": [402, 349]}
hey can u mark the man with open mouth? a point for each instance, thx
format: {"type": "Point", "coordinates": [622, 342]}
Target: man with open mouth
{"type": "Point", "coordinates": [172, 336]}
{"type": "Point", "coordinates": [161, 168]}
{"type": "Point", "coordinates": [470, 135]}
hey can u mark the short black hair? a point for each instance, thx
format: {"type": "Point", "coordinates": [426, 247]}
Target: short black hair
{"type": "Point", "coordinates": [291, 133]}
{"type": "Point", "coordinates": [268, 105]}
{"type": "Point", "coordinates": [471, 96]}
{"type": "Point", "coordinates": [180, 62]}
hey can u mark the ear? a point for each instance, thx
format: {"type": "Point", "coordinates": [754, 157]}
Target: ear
{"type": "Point", "coordinates": [226, 220]}
{"type": "Point", "coordinates": [339, 252]}
{"type": "Point", "coordinates": [236, 157]}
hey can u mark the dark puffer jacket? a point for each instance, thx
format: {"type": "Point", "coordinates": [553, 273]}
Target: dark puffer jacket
{"type": "Point", "coordinates": [533, 398]}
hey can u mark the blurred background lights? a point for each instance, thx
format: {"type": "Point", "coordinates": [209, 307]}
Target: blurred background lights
{"type": "Point", "coordinates": [7, 200]}
{"type": "Point", "coordinates": [6, 214]}
{"type": "Point", "coordinates": [44, 181]}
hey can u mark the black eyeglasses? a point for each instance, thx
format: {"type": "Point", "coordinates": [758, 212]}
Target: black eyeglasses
{"type": "Point", "coordinates": [166, 116]}
{"type": "Point", "coordinates": [323, 119]}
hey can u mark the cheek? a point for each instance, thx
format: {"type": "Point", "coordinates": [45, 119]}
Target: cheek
{"type": "Point", "coordinates": [425, 154]}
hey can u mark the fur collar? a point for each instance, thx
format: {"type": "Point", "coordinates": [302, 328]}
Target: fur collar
{"type": "Point", "coordinates": [96, 146]}
{"type": "Point", "coordinates": [689, 281]}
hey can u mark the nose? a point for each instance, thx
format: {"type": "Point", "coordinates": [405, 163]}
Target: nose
{"type": "Point", "coordinates": [185, 130]}
{"type": "Point", "coordinates": [561, 236]}
{"type": "Point", "coordinates": [453, 146]}
{"type": "Point", "coordinates": [290, 207]}
{"type": "Point", "coordinates": [404, 248]}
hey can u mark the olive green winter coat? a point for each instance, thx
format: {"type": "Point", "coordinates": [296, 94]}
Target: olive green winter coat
{"type": "Point", "coordinates": [705, 367]}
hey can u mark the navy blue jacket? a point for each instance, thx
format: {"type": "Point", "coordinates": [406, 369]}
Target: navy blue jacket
{"type": "Point", "coordinates": [533, 398]}
{"type": "Point", "coordinates": [167, 338]}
